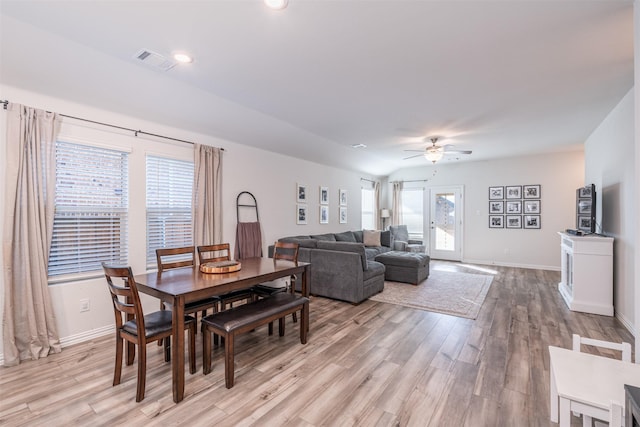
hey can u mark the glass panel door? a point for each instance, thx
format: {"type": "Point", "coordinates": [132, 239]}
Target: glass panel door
{"type": "Point", "coordinates": [445, 228]}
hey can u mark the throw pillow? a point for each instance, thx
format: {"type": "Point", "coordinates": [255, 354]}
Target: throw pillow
{"type": "Point", "coordinates": [371, 238]}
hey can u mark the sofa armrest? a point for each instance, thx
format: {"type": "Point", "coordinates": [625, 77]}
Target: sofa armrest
{"type": "Point", "coordinates": [399, 245]}
{"type": "Point", "coordinates": [415, 242]}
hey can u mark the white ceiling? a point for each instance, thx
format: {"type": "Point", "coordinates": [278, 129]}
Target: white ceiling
{"type": "Point", "coordinates": [501, 78]}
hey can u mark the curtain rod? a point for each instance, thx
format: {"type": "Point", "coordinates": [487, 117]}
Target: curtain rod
{"type": "Point", "coordinates": [414, 180]}
{"type": "Point", "coordinates": [135, 132]}
{"type": "Point", "coordinates": [368, 180]}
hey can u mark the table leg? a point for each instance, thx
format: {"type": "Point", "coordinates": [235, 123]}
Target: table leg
{"type": "Point", "coordinates": [177, 356]}
{"type": "Point", "coordinates": [553, 393]}
{"type": "Point", "coordinates": [565, 412]}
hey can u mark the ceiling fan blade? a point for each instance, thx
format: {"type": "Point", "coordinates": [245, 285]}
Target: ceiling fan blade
{"type": "Point", "coordinates": [416, 151]}
{"type": "Point", "coordinates": [458, 151]}
{"type": "Point", "coordinates": [411, 157]}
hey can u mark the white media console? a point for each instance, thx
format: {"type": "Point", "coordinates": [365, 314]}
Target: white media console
{"type": "Point", "coordinates": [587, 273]}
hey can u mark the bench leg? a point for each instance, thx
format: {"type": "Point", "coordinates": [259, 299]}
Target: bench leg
{"type": "Point", "coordinates": [270, 328]}
{"type": "Point", "coordinates": [228, 360]}
{"type": "Point", "coordinates": [206, 351]}
{"type": "Point", "coordinates": [281, 326]}
{"type": "Point", "coordinates": [304, 323]}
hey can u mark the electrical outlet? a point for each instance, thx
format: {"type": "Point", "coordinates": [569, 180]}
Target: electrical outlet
{"type": "Point", "coordinates": [84, 305]}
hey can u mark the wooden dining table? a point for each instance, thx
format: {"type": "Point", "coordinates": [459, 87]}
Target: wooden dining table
{"type": "Point", "coordinates": [183, 285]}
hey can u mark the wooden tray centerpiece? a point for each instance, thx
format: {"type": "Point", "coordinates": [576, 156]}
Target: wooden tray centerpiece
{"type": "Point", "coordinates": [220, 267]}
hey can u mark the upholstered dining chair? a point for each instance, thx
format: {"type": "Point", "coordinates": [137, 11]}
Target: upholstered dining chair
{"type": "Point", "coordinates": [285, 251]}
{"type": "Point", "coordinates": [135, 327]}
{"type": "Point", "coordinates": [222, 252]}
{"type": "Point", "coordinates": [169, 258]}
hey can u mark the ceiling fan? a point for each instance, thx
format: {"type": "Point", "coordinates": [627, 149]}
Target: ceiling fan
{"type": "Point", "coordinates": [436, 152]}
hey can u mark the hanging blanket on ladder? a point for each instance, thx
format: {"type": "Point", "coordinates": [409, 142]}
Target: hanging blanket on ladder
{"type": "Point", "coordinates": [248, 234]}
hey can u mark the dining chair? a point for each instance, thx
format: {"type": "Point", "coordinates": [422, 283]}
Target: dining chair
{"type": "Point", "coordinates": [135, 327]}
{"type": "Point", "coordinates": [615, 411]}
{"type": "Point", "coordinates": [169, 258]}
{"type": "Point", "coordinates": [281, 251]}
{"type": "Point", "coordinates": [222, 252]}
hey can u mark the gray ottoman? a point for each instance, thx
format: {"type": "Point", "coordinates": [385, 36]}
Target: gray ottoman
{"type": "Point", "coordinates": [408, 267]}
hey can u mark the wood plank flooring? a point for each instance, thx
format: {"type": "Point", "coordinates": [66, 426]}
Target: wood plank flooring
{"type": "Point", "coordinates": [373, 364]}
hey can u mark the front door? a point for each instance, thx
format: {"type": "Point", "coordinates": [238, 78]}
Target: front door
{"type": "Point", "coordinates": [445, 228]}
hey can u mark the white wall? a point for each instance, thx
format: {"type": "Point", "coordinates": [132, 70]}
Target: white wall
{"type": "Point", "coordinates": [270, 177]}
{"type": "Point", "coordinates": [610, 165]}
{"type": "Point", "coordinates": [559, 175]}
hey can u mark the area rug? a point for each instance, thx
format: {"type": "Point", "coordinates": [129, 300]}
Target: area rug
{"type": "Point", "coordinates": [457, 294]}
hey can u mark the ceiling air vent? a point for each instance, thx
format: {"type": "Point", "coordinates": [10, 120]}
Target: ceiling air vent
{"type": "Point", "coordinates": [154, 60]}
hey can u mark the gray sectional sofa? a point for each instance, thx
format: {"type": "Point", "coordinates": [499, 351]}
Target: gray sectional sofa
{"type": "Point", "coordinates": [342, 267]}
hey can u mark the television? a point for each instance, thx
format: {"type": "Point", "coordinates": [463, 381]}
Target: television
{"type": "Point", "coordinates": [586, 208]}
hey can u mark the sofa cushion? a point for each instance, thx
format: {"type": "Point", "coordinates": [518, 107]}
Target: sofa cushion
{"type": "Point", "coordinates": [347, 236]}
{"type": "Point", "coordinates": [371, 237]}
{"type": "Point", "coordinates": [328, 237]}
{"type": "Point", "coordinates": [302, 242]}
{"type": "Point", "coordinates": [345, 247]}
{"type": "Point", "coordinates": [358, 235]}
{"type": "Point", "coordinates": [373, 269]}
{"type": "Point", "coordinates": [385, 239]}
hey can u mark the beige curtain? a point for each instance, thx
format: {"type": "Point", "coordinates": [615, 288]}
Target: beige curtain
{"type": "Point", "coordinates": [29, 324]}
{"type": "Point", "coordinates": [396, 213]}
{"type": "Point", "coordinates": [207, 195]}
{"type": "Point", "coordinates": [376, 205]}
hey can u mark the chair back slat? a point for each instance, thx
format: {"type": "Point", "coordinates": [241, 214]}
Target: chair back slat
{"type": "Point", "coordinates": [285, 250]}
{"type": "Point", "coordinates": [213, 253]}
{"type": "Point", "coordinates": [623, 347]}
{"type": "Point", "coordinates": [168, 258]}
{"type": "Point", "coordinates": [126, 300]}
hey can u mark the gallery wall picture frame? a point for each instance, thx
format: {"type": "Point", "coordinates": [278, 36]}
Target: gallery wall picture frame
{"type": "Point", "coordinates": [531, 207]}
{"type": "Point", "coordinates": [513, 192]}
{"type": "Point", "coordinates": [584, 222]}
{"type": "Point", "coordinates": [343, 214]}
{"type": "Point", "coordinates": [324, 195]}
{"type": "Point", "coordinates": [531, 221]}
{"type": "Point", "coordinates": [343, 197]}
{"type": "Point", "coordinates": [301, 193]}
{"type": "Point", "coordinates": [585, 192]}
{"type": "Point", "coordinates": [324, 214]}
{"type": "Point", "coordinates": [496, 221]}
{"type": "Point", "coordinates": [584, 207]}
{"type": "Point", "coordinates": [301, 214]}
{"type": "Point", "coordinates": [496, 193]}
{"type": "Point", "coordinates": [514, 207]}
{"type": "Point", "coordinates": [513, 221]}
{"type": "Point", "coordinates": [531, 191]}
{"type": "Point", "coordinates": [496, 207]}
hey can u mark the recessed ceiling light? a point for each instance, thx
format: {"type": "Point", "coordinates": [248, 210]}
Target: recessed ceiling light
{"type": "Point", "coordinates": [358, 146]}
{"type": "Point", "coordinates": [276, 4]}
{"type": "Point", "coordinates": [182, 58]}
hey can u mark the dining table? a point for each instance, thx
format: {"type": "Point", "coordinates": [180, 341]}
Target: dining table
{"type": "Point", "coordinates": [183, 285]}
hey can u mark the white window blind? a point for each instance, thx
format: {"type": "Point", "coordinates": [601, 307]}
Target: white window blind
{"type": "Point", "coordinates": [169, 195]}
{"type": "Point", "coordinates": [368, 209]}
{"type": "Point", "coordinates": [91, 209]}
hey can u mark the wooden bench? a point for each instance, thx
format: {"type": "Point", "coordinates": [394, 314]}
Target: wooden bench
{"type": "Point", "coordinates": [247, 317]}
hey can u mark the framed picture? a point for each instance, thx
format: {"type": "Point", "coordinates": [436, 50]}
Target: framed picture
{"type": "Point", "coordinates": [531, 207]}
{"type": "Point", "coordinates": [324, 214]}
{"type": "Point", "coordinates": [584, 207]}
{"type": "Point", "coordinates": [531, 191]}
{"type": "Point", "coordinates": [585, 192]}
{"type": "Point", "coordinates": [301, 193]}
{"type": "Point", "coordinates": [343, 214]}
{"type": "Point", "coordinates": [514, 192]}
{"type": "Point", "coordinates": [496, 193]}
{"type": "Point", "coordinates": [584, 222]}
{"type": "Point", "coordinates": [324, 195]}
{"type": "Point", "coordinates": [343, 197]}
{"type": "Point", "coordinates": [514, 207]}
{"type": "Point", "coordinates": [301, 214]}
{"type": "Point", "coordinates": [514, 221]}
{"type": "Point", "coordinates": [532, 221]}
{"type": "Point", "coordinates": [496, 207]}
{"type": "Point", "coordinates": [496, 221]}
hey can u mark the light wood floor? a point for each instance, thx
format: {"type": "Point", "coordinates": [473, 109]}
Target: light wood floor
{"type": "Point", "coordinates": [374, 364]}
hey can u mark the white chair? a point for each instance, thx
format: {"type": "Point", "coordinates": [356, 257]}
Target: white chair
{"type": "Point", "coordinates": [615, 410]}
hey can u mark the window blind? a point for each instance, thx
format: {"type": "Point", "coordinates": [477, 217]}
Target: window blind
{"type": "Point", "coordinates": [91, 209]}
{"type": "Point", "coordinates": [169, 196]}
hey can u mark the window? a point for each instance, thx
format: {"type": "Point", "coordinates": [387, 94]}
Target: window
{"type": "Point", "coordinates": [169, 195]}
{"type": "Point", "coordinates": [91, 209]}
{"type": "Point", "coordinates": [368, 208]}
{"type": "Point", "coordinates": [413, 211]}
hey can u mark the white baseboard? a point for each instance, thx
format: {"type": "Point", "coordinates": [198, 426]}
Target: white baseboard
{"type": "Point", "coordinates": [514, 265]}
{"type": "Point", "coordinates": [626, 323]}
{"type": "Point", "coordinates": [78, 338]}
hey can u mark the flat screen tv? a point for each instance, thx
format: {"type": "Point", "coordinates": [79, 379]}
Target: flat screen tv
{"type": "Point", "coordinates": [586, 208]}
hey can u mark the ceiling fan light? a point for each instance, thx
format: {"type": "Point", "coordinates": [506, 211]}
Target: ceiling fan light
{"type": "Point", "coordinates": [276, 4]}
{"type": "Point", "coordinates": [433, 155]}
